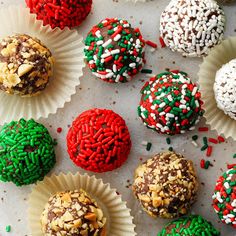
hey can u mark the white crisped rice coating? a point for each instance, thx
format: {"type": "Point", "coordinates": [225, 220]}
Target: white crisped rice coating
{"type": "Point", "coordinates": [225, 88]}
{"type": "Point", "coordinates": [192, 27]}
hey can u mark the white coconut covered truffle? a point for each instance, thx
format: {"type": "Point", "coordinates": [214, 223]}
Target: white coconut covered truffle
{"type": "Point", "coordinates": [225, 88]}
{"type": "Point", "coordinates": [192, 27]}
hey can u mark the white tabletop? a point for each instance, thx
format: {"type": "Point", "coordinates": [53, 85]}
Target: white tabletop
{"type": "Point", "coordinates": [124, 100]}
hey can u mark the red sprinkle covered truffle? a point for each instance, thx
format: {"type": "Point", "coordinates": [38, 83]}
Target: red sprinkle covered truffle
{"type": "Point", "coordinates": [99, 140]}
{"type": "Point", "coordinates": [114, 50]}
{"type": "Point", "coordinates": [60, 13]}
{"type": "Point", "coordinates": [170, 103]}
{"type": "Point", "coordinates": [224, 197]}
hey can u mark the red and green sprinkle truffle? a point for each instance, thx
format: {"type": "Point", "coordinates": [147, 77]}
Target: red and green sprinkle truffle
{"type": "Point", "coordinates": [170, 103]}
{"type": "Point", "coordinates": [224, 197]}
{"type": "Point", "coordinates": [99, 140]}
{"type": "Point", "coordinates": [26, 152]}
{"type": "Point", "coordinates": [193, 225]}
{"type": "Point", "coordinates": [114, 51]}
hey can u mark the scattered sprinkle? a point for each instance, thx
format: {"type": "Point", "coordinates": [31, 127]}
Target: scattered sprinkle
{"type": "Point", "coordinates": [151, 44]}
{"type": "Point", "coordinates": [146, 71]}
{"type": "Point", "coordinates": [149, 146]}
{"type": "Point", "coordinates": [234, 156]}
{"type": "Point", "coordinates": [171, 149]}
{"type": "Point", "coordinates": [59, 130]}
{"type": "Point", "coordinates": [168, 141]}
{"type": "Point", "coordinates": [213, 140]}
{"type": "Point", "coordinates": [203, 129]}
{"type": "Point", "coordinates": [221, 139]}
{"type": "Point", "coordinates": [195, 137]}
{"type": "Point", "coordinates": [163, 45]}
{"type": "Point", "coordinates": [194, 143]}
{"type": "Point", "coordinates": [8, 228]}
{"type": "Point", "coordinates": [209, 151]}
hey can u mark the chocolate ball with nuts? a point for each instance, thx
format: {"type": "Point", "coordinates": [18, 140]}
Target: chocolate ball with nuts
{"type": "Point", "coordinates": [166, 185]}
{"type": "Point", "coordinates": [26, 65]}
{"type": "Point", "coordinates": [73, 213]}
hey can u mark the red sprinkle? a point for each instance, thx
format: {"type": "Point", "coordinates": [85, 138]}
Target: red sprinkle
{"type": "Point", "coordinates": [151, 44]}
{"type": "Point", "coordinates": [230, 166]}
{"type": "Point", "coordinates": [163, 45]}
{"type": "Point", "coordinates": [203, 129]}
{"type": "Point", "coordinates": [221, 139]}
{"type": "Point", "coordinates": [202, 164]}
{"type": "Point", "coordinates": [60, 13]}
{"type": "Point", "coordinates": [209, 151]}
{"type": "Point", "coordinates": [59, 130]}
{"type": "Point", "coordinates": [213, 140]}
{"type": "Point", "coordinates": [99, 140]}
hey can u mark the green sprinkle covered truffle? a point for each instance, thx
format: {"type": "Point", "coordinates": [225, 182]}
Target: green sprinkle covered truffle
{"type": "Point", "coordinates": [26, 152]}
{"type": "Point", "coordinates": [193, 225]}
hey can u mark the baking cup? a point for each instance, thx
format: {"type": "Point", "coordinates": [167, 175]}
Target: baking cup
{"type": "Point", "coordinates": [67, 49]}
{"type": "Point", "coordinates": [216, 118]}
{"type": "Point", "coordinates": [119, 220]}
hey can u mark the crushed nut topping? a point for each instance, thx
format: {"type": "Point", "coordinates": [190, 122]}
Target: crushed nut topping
{"type": "Point", "coordinates": [73, 213]}
{"type": "Point", "coordinates": [26, 65]}
{"type": "Point", "coordinates": [166, 185]}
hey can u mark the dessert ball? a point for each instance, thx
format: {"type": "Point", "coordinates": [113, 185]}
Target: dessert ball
{"type": "Point", "coordinates": [25, 65]}
{"type": "Point", "coordinates": [72, 213]}
{"type": "Point", "coordinates": [224, 197]}
{"type": "Point", "coordinates": [224, 88]}
{"type": "Point", "coordinates": [26, 152]}
{"type": "Point", "coordinates": [99, 140]}
{"type": "Point", "coordinates": [114, 51]}
{"type": "Point", "coordinates": [192, 27]}
{"type": "Point", "coordinates": [170, 103]}
{"type": "Point", "coordinates": [189, 226]}
{"type": "Point", "coordinates": [166, 185]}
{"type": "Point", "coordinates": [60, 13]}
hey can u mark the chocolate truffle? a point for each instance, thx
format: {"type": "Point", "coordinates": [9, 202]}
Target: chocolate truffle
{"type": "Point", "coordinates": [72, 213]}
{"type": "Point", "coordinates": [60, 13]}
{"type": "Point", "coordinates": [166, 185]}
{"type": "Point", "coordinates": [192, 27]}
{"type": "Point", "coordinates": [26, 152]}
{"type": "Point", "coordinates": [170, 103]}
{"type": "Point", "coordinates": [193, 225]}
{"type": "Point", "coordinates": [99, 140]}
{"type": "Point", "coordinates": [114, 50]}
{"type": "Point", "coordinates": [224, 88]}
{"type": "Point", "coordinates": [25, 65]}
{"type": "Point", "coordinates": [224, 197]}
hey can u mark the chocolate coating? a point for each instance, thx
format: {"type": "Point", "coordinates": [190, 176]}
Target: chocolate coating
{"type": "Point", "coordinates": [25, 65]}
{"type": "Point", "coordinates": [166, 185]}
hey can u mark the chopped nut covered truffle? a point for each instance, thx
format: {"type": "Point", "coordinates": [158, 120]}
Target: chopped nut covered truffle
{"type": "Point", "coordinates": [73, 213]}
{"type": "Point", "coordinates": [25, 65]}
{"type": "Point", "coordinates": [166, 185]}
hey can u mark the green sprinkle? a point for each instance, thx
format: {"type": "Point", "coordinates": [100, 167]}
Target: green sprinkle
{"type": "Point", "coordinates": [146, 71]}
{"type": "Point", "coordinates": [149, 146]}
{"type": "Point", "coordinates": [195, 137]}
{"type": "Point", "coordinates": [168, 141]}
{"type": "Point", "coordinates": [8, 228]}
{"type": "Point", "coordinates": [171, 149]}
{"type": "Point", "coordinates": [29, 158]}
{"type": "Point", "coordinates": [203, 148]}
{"type": "Point", "coordinates": [234, 156]}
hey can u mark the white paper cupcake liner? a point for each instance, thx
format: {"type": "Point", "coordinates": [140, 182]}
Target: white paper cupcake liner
{"type": "Point", "coordinates": [119, 220]}
{"type": "Point", "coordinates": [67, 49]}
{"type": "Point", "coordinates": [215, 117]}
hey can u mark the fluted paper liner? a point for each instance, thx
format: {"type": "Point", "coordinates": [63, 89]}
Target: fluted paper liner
{"type": "Point", "coordinates": [67, 49]}
{"type": "Point", "coordinates": [119, 220]}
{"type": "Point", "coordinates": [215, 117]}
